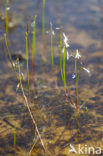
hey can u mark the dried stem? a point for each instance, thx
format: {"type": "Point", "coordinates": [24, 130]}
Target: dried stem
{"type": "Point", "coordinates": [25, 98]}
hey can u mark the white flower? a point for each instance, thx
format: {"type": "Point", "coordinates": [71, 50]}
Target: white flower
{"type": "Point", "coordinates": [53, 33]}
{"type": "Point", "coordinates": [32, 24]}
{"type": "Point", "coordinates": [68, 56]}
{"type": "Point", "coordinates": [62, 50]}
{"type": "Point", "coordinates": [8, 8]}
{"type": "Point", "coordinates": [73, 76]}
{"type": "Point", "coordinates": [57, 28]}
{"type": "Point", "coordinates": [65, 37]}
{"type": "Point", "coordinates": [66, 41]}
{"type": "Point", "coordinates": [77, 54]}
{"type": "Point", "coordinates": [14, 65]}
{"type": "Point", "coordinates": [88, 71]}
{"type": "Point", "coordinates": [67, 45]}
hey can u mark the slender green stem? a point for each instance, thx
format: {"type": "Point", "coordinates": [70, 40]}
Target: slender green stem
{"type": "Point", "coordinates": [62, 64]}
{"type": "Point", "coordinates": [33, 51]}
{"type": "Point", "coordinates": [27, 58]}
{"type": "Point", "coordinates": [9, 54]}
{"type": "Point", "coordinates": [6, 18]}
{"type": "Point", "coordinates": [76, 81]}
{"type": "Point", "coordinates": [51, 30]}
{"type": "Point", "coordinates": [14, 137]}
{"type": "Point", "coordinates": [27, 65]}
{"type": "Point", "coordinates": [64, 78]}
{"type": "Point", "coordinates": [33, 42]}
{"type": "Point", "coordinates": [61, 54]}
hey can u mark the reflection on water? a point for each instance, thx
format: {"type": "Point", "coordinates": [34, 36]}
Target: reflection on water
{"type": "Point", "coordinates": [82, 22]}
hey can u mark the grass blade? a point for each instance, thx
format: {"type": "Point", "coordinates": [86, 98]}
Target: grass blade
{"type": "Point", "coordinates": [6, 17]}
{"type": "Point", "coordinates": [51, 30]}
{"type": "Point", "coordinates": [61, 54]}
{"type": "Point", "coordinates": [64, 78]}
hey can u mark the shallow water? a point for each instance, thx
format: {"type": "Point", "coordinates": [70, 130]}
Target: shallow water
{"type": "Point", "coordinates": [82, 22]}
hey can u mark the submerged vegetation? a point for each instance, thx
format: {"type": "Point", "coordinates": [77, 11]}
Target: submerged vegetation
{"type": "Point", "coordinates": [64, 54]}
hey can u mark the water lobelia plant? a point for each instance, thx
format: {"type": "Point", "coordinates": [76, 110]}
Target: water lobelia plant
{"type": "Point", "coordinates": [64, 52]}
{"type": "Point", "coordinates": [62, 60]}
